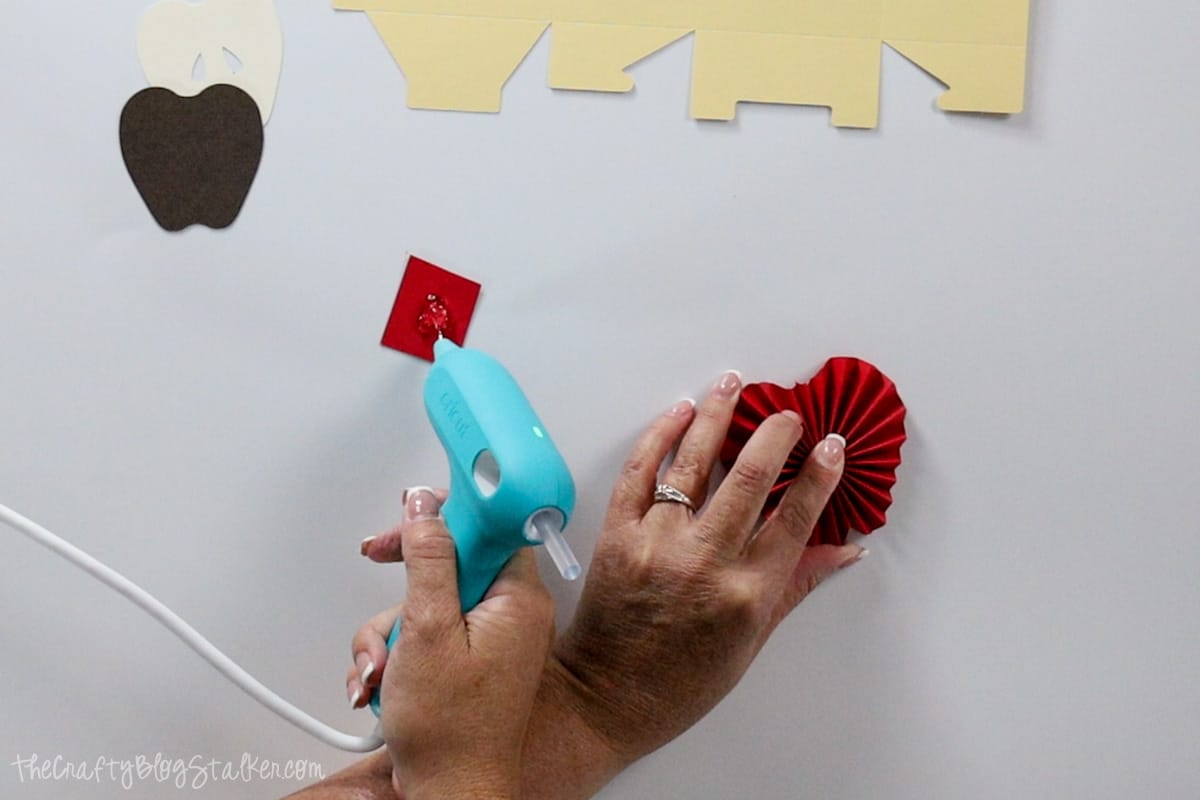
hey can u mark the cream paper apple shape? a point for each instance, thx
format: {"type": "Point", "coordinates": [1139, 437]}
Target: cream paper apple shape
{"type": "Point", "coordinates": [187, 47]}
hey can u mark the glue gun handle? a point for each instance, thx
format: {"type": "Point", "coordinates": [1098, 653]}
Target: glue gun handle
{"type": "Point", "coordinates": [480, 560]}
{"type": "Point", "coordinates": [480, 556]}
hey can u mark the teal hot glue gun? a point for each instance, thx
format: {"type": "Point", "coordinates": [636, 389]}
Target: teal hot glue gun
{"type": "Point", "coordinates": [509, 487]}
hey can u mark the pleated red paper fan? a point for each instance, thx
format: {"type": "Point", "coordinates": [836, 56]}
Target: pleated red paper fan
{"type": "Point", "coordinates": [847, 396]}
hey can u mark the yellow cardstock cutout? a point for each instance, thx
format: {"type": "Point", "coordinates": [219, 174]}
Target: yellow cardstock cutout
{"type": "Point", "coordinates": [458, 54]}
{"type": "Point", "coordinates": [594, 58]}
{"type": "Point", "coordinates": [460, 78]}
{"type": "Point", "coordinates": [240, 42]}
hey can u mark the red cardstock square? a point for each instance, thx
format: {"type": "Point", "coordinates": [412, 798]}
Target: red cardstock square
{"type": "Point", "coordinates": [422, 279]}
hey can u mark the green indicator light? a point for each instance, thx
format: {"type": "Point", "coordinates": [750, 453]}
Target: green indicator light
{"type": "Point", "coordinates": [538, 432]}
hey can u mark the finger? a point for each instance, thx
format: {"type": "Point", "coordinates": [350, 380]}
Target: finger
{"type": "Point", "coordinates": [432, 606]}
{"type": "Point", "coordinates": [384, 548]}
{"type": "Point", "coordinates": [738, 503]}
{"type": "Point", "coordinates": [693, 462]}
{"type": "Point", "coordinates": [369, 646]}
{"type": "Point", "coordinates": [387, 547]}
{"type": "Point", "coordinates": [783, 538]}
{"type": "Point", "coordinates": [355, 692]}
{"type": "Point", "coordinates": [634, 492]}
{"type": "Point", "coordinates": [817, 564]}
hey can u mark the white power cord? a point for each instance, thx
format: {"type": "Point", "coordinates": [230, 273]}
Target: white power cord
{"type": "Point", "coordinates": [191, 637]}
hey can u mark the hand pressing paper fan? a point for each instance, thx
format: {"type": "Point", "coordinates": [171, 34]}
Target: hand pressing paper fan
{"type": "Point", "coordinates": [847, 396]}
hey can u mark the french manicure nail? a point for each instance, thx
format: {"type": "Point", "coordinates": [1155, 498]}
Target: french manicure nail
{"type": "Point", "coordinates": [831, 450]}
{"type": "Point", "coordinates": [861, 555]}
{"type": "Point", "coordinates": [366, 544]}
{"type": "Point", "coordinates": [728, 384]}
{"type": "Point", "coordinates": [682, 408]}
{"type": "Point", "coordinates": [422, 504]}
{"type": "Point", "coordinates": [365, 666]}
{"type": "Point", "coordinates": [792, 415]}
{"type": "Point", "coordinates": [354, 698]}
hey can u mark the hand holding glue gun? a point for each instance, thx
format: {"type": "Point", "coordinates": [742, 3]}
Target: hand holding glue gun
{"type": "Point", "coordinates": [458, 690]}
{"type": "Point", "coordinates": [474, 634]}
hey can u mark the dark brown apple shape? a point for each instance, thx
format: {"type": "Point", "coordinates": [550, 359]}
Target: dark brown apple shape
{"type": "Point", "coordinates": [193, 159]}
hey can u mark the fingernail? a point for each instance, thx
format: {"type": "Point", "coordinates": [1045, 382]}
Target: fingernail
{"type": "Point", "coordinates": [830, 451]}
{"type": "Point", "coordinates": [422, 504]}
{"type": "Point", "coordinates": [365, 667]}
{"type": "Point", "coordinates": [729, 384]}
{"type": "Point", "coordinates": [355, 697]}
{"type": "Point", "coordinates": [366, 544]}
{"type": "Point", "coordinates": [861, 555]}
{"type": "Point", "coordinates": [682, 408]}
{"type": "Point", "coordinates": [792, 415]}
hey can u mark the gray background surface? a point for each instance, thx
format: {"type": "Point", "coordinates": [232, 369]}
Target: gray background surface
{"type": "Point", "coordinates": [210, 412]}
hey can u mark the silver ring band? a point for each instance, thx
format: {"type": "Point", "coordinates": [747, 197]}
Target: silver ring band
{"type": "Point", "coordinates": [665, 493]}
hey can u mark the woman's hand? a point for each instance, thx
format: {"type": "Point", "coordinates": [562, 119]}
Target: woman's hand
{"type": "Point", "coordinates": [457, 691]}
{"type": "Point", "coordinates": [677, 604]}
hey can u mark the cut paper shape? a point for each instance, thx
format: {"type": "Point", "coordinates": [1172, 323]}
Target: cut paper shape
{"type": "Point", "coordinates": [187, 47]}
{"type": "Point", "coordinates": [595, 57]}
{"type": "Point", "coordinates": [464, 78]}
{"type": "Point", "coordinates": [193, 159]}
{"type": "Point", "coordinates": [796, 70]}
{"type": "Point", "coordinates": [999, 88]}
{"type": "Point", "coordinates": [431, 299]}
{"type": "Point", "coordinates": [849, 397]}
{"type": "Point", "coordinates": [458, 54]}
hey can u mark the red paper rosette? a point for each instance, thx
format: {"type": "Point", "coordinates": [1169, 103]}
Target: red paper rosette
{"type": "Point", "coordinates": [850, 397]}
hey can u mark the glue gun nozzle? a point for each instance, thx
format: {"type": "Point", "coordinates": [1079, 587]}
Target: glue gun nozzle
{"type": "Point", "coordinates": [546, 527]}
{"type": "Point", "coordinates": [564, 558]}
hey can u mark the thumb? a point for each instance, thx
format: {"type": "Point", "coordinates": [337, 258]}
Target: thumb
{"type": "Point", "coordinates": [431, 559]}
{"type": "Point", "coordinates": [388, 547]}
{"type": "Point", "coordinates": [816, 564]}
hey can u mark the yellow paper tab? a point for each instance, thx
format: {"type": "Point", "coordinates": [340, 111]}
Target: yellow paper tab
{"type": "Point", "coordinates": [799, 70]}
{"type": "Point", "coordinates": [996, 89]}
{"type": "Point", "coordinates": [595, 57]}
{"type": "Point", "coordinates": [457, 54]}
{"type": "Point", "coordinates": [456, 63]}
